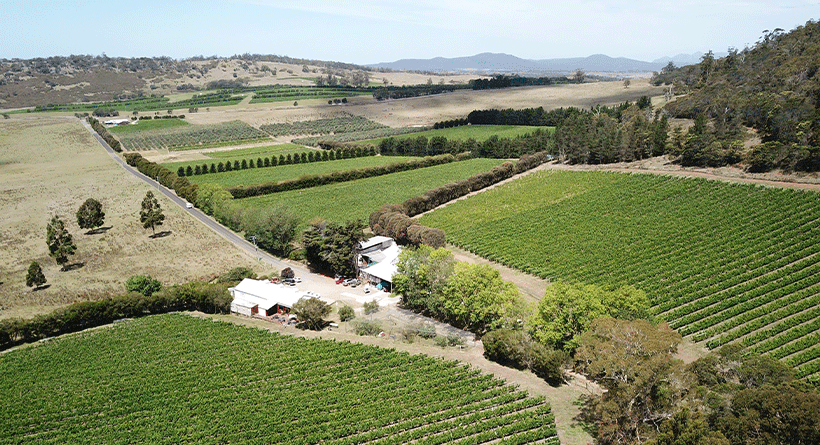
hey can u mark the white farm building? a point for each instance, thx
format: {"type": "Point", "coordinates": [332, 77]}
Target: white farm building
{"type": "Point", "coordinates": [378, 258]}
{"type": "Point", "coordinates": [263, 298]}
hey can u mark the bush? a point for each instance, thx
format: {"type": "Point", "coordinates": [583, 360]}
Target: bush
{"type": "Point", "coordinates": [427, 330]}
{"type": "Point", "coordinates": [367, 327]}
{"type": "Point", "coordinates": [517, 349]}
{"type": "Point", "coordinates": [371, 306]}
{"type": "Point", "coordinates": [287, 273]}
{"type": "Point", "coordinates": [346, 313]}
{"type": "Point", "coordinates": [449, 340]}
{"type": "Point", "coordinates": [143, 284]}
{"type": "Point", "coordinates": [236, 274]}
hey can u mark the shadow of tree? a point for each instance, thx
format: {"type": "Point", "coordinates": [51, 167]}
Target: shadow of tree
{"type": "Point", "coordinates": [74, 266]}
{"type": "Point", "coordinates": [98, 230]}
{"type": "Point", "coordinates": [43, 287]}
{"type": "Point", "coordinates": [160, 234]}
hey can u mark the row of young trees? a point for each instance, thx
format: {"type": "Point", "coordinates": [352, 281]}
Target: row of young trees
{"type": "Point", "coordinates": [291, 158]}
{"type": "Point", "coordinates": [492, 147]}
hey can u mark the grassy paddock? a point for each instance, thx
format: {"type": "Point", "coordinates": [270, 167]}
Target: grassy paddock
{"type": "Point", "coordinates": [291, 171]}
{"type": "Point", "coordinates": [357, 199]}
{"type": "Point", "coordinates": [721, 262]}
{"type": "Point", "coordinates": [243, 153]}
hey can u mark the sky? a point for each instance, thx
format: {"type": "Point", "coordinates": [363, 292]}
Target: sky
{"type": "Point", "coordinates": [373, 31]}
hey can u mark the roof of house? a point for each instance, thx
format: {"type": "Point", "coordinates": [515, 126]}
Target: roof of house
{"type": "Point", "coordinates": [387, 261]}
{"type": "Point", "coordinates": [378, 239]}
{"type": "Point", "coordinates": [265, 294]}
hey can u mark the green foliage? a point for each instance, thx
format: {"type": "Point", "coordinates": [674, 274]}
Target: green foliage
{"type": "Point", "coordinates": [477, 298]}
{"type": "Point", "coordinates": [567, 310]}
{"type": "Point", "coordinates": [236, 274]}
{"type": "Point", "coordinates": [331, 247]}
{"type": "Point", "coordinates": [367, 327]}
{"type": "Point", "coordinates": [336, 125]}
{"type": "Point", "coordinates": [34, 276]}
{"type": "Point", "coordinates": [371, 306]}
{"type": "Point", "coordinates": [150, 212]}
{"type": "Point", "coordinates": [191, 136]}
{"type": "Point", "coordinates": [90, 214]}
{"type": "Point", "coordinates": [421, 276]}
{"type": "Point", "coordinates": [427, 330]}
{"type": "Point", "coordinates": [60, 243]}
{"type": "Point", "coordinates": [688, 428]}
{"type": "Point", "coordinates": [449, 340]}
{"type": "Point", "coordinates": [516, 348]}
{"type": "Point", "coordinates": [274, 228]}
{"type": "Point", "coordinates": [144, 284]}
{"type": "Point", "coordinates": [182, 349]}
{"type": "Point", "coordinates": [311, 312]}
{"type": "Point", "coordinates": [346, 313]}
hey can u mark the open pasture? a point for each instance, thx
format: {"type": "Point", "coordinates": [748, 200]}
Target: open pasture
{"type": "Point", "coordinates": [358, 199]}
{"type": "Point", "coordinates": [179, 379]}
{"type": "Point", "coordinates": [290, 171]}
{"type": "Point", "coordinates": [721, 262]}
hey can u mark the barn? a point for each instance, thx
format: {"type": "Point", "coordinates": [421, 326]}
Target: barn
{"type": "Point", "coordinates": [263, 298]}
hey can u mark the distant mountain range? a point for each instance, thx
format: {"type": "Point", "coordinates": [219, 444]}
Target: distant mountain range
{"type": "Point", "coordinates": [506, 63]}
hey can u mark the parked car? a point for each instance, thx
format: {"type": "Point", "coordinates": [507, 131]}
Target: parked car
{"type": "Point", "coordinates": [289, 281]}
{"type": "Point", "coordinates": [297, 279]}
{"type": "Point", "coordinates": [350, 282]}
{"type": "Point", "coordinates": [340, 280]}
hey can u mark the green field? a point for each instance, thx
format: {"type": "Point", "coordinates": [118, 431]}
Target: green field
{"type": "Point", "coordinates": [478, 132]}
{"type": "Point", "coordinates": [191, 136]}
{"type": "Point", "coordinates": [358, 199]}
{"type": "Point", "coordinates": [336, 125]}
{"type": "Point", "coordinates": [148, 125]}
{"type": "Point", "coordinates": [291, 171]}
{"type": "Point", "coordinates": [246, 153]}
{"type": "Point", "coordinates": [289, 93]}
{"type": "Point", "coordinates": [721, 262]}
{"type": "Point", "coordinates": [174, 378]}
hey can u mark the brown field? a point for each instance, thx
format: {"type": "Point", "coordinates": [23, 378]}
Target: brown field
{"type": "Point", "coordinates": [50, 166]}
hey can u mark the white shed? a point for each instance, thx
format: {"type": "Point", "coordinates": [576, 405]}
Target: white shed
{"type": "Point", "coordinates": [261, 297]}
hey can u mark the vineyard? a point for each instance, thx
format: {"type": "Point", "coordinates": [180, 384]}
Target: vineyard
{"type": "Point", "coordinates": [288, 93]}
{"type": "Point", "coordinates": [357, 199]}
{"type": "Point", "coordinates": [334, 125]}
{"type": "Point", "coordinates": [354, 136]}
{"type": "Point", "coordinates": [177, 379]}
{"type": "Point", "coordinates": [290, 171]}
{"type": "Point", "coordinates": [723, 263]}
{"type": "Point", "coordinates": [191, 136]}
{"type": "Point", "coordinates": [478, 132]}
{"type": "Point", "coordinates": [147, 125]}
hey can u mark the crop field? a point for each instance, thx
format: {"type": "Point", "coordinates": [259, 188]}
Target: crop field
{"type": "Point", "coordinates": [191, 136]}
{"type": "Point", "coordinates": [721, 262]}
{"type": "Point", "coordinates": [179, 379]}
{"type": "Point", "coordinates": [148, 125]}
{"type": "Point", "coordinates": [346, 124]}
{"type": "Point", "coordinates": [478, 132]}
{"type": "Point", "coordinates": [358, 199]}
{"type": "Point", "coordinates": [356, 136]}
{"type": "Point", "coordinates": [243, 153]}
{"type": "Point", "coordinates": [288, 93]}
{"type": "Point", "coordinates": [290, 171]}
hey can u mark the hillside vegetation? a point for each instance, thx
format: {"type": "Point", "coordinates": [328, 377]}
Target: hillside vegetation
{"type": "Point", "coordinates": [772, 87]}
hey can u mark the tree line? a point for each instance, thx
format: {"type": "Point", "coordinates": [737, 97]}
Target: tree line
{"type": "Point", "coordinates": [492, 147]}
{"type": "Point", "coordinates": [109, 139]}
{"type": "Point", "coordinates": [345, 152]}
{"type": "Point", "coordinates": [504, 81]}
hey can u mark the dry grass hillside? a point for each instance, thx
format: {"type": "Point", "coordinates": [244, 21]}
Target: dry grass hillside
{"type": "Point", "coordinates": [50, 166]}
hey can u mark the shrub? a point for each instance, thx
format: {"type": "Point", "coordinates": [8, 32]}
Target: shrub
{"type": "Point", "coordinates": [518, 350]}
{"type": "Point", "coordinates": [449, 340]}
{"type": "Point", "coordinates": [346, 313]}
{"type": "Point", "coordinates": [371, 306]}
{"type": "Point", "coordinates": [236, 274]}
{"type": "Point", "coordinates": [144, 284]}
{"type": "Point", "coordinates": [367, 327]}
{"type": "Point", "coordinates": [427, 330]}
{"type": "Point", "coordinates": [287, 273]}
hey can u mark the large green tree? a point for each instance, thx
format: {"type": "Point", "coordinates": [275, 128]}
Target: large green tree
{"type": "Point", "coordinates": [312, 311]}
{"type": "Point", "coordinates": [151, 213]}
{"type": "Point", "coordinates": [274, 227]}
{"type": "Point", "coordinates": [90, 215]}
{"type": "Point", "coordinates": [144, 284]}
{"type": "Point", "coordinates": [421, 276]}
{"type": "Point", "coordinates": [35, 277]}
{"type": "Point", "coordinates": [60, 243]}
{"type": "Point", "coordinates": [332, 247]}
{"type": "Point", "coordinates": [567, 310]}
{"type": "Point", "coordinates": [477, 298]}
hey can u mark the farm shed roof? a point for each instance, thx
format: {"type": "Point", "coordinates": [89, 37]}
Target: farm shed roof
{"type": "Point", "coordinates": [376, 240]}
{"type": "Point", "coordinates": [265, 294]}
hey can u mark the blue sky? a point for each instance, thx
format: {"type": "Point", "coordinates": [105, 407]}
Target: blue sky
{"type": "Point", "coordinates": [372, 31]}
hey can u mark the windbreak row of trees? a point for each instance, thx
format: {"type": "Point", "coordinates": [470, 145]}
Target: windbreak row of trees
{"type": "Point", "coordinates": [194, 296]}
{"type": "Point", "coordinates": [295, 158]}
{"type": "Point", "coordinates": [405, 91]}
{"type": "Point", "coordinates": [166, 177]}
{"type": "Point", "coordinates": [493, 147]}
{"type": "Point", "coordinates": [504, 81]}
{"type": "Point", "coordinates": [103, 132]}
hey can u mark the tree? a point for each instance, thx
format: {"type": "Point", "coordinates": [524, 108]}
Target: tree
{"type": "Point", "coordinates": [274, 227]}
{"type": "Point", "coordinates": [421, 276]}
{"type": "Point", "coordinates": [287, 273]}
{"type": "Point", "coordinates": [627, 82]}
{"type": "Point", "coordinates": [60, 243]}
{"type": "Point", "coordinates": [90, 215]}
{"type": "Point", "coordinates": [143, 284]}
{"type": "Point", "coordinates": [35, 277]}
{"type": "Point", "coordinates": [579, 76]}
{"type": "Point", "coordinates": [371, 306]}
{"type": "Point", "coordinates": [311, 311]}
{"type": "Point", "coordinates": [477, 298]}
{"type": "Point", "coordinates": [566, 311]}
{"type": "Point", "coordinates": [151, 213]}
{"type": "Point", "coordinates": [346, 313]}
{"type": "Point", "coordinates": [332, 247]}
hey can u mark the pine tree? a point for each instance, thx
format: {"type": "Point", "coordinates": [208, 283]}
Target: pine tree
{"type": "Point", "coordinates": [151, 213]}
{"type": "Point", "coordinates": [60, 243]}
{"type": "Point", "coordinates": [35, 277]}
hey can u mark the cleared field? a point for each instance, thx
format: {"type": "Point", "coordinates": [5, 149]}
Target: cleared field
{"type": "Point", "coordinates": [50, 166]}
{"type": "Point", "coordinates": [357, 199]}
{"type": "Point", "coordinates": [194, 136]}
{"type": "Point", "coordinates": [478, 132]}
{"type": "Point", "coordinates": [721, 262]}
{"type": "Point", "coordinates": [148, 125]}
{"type": "Point", "coordinates": [290, 171]}
{"type": "Point", "coordinates": [161, 377]}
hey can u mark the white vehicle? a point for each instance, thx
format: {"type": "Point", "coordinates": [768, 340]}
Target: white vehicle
{"type": "Point", "coordinates": [188, 205]}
